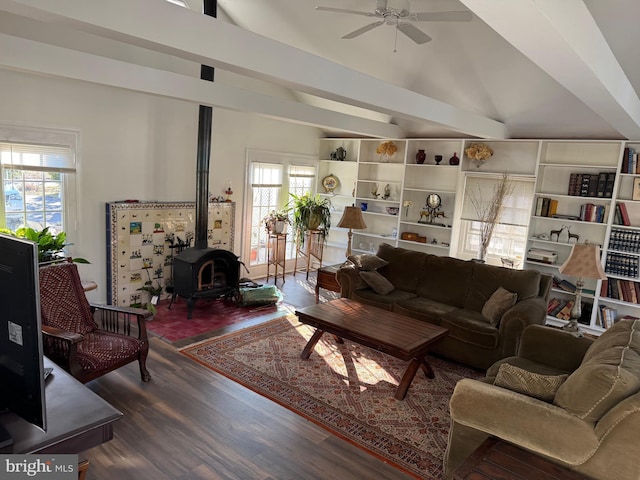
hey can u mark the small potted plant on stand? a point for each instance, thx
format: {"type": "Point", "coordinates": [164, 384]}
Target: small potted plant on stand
{"type": "Point", "coordinates": [310, 212]}
{"type": "Point", "coordinates": [276, 221]}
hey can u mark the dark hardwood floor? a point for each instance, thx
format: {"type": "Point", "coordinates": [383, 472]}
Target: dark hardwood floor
{"type": "Point", "coordinates": [189, 422]}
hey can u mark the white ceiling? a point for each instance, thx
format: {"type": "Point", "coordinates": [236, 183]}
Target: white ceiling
{"type": "Point", "coordinates": [467, 65]}
{"type": "Point", "coordinates": [519, 69]}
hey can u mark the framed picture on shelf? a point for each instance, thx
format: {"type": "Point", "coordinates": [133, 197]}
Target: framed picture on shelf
{"type": "Point", "coordinates": [635, 195]}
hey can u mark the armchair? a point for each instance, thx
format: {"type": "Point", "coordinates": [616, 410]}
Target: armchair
{"type": "Point", "coordinates": [88, 340]}
{"type": "Point", "coordinates": [591, 419]}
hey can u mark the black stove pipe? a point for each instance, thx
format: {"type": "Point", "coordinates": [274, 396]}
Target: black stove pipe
{"type": "Point", "coordinates": [205, 118]}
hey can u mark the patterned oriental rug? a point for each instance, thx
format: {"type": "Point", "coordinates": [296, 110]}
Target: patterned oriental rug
{"type": "Point", "coordinates": [208, 315]}
{"type": "Point", "coordinates": [347, 389]}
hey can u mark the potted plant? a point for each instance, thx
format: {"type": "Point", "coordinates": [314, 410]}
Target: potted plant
{"type": "Point", "coordinates": [310, 212]}
{"type": "Point", "coordinates": [276, 221]}
{"type": "Point", "coordinates": [51, 248]}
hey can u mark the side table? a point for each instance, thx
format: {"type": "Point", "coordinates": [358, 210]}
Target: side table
{"type": "Point", "coordinates": [327, 279]}
{"type": "Point", "coordinates": [276, 254]}
{"type": "Point", "coordinates": [498, 460]}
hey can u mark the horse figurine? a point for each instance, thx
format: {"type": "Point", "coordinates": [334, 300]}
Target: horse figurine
{"type": "Point", "coordinates": [571, 237]}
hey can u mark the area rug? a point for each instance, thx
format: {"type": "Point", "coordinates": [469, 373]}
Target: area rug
{"type": "Point", "coordinates": [346, 388]}
{"type": "Point", "coordinates": [208, 315]}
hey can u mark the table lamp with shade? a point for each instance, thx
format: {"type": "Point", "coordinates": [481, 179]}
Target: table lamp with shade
{"type": "Point", "coordinates": [583, 262]}
{"type": "Point", "coordinates": [351, 218]}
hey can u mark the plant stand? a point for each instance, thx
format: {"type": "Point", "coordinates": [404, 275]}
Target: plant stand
{"type": "Point", "coordinates": [276, 255]}
{"type": "Point", "coordinates": [313, 248]}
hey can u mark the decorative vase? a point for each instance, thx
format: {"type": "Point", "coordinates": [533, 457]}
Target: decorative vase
{"type": "Point", "coordinates": [364, 206]}
{"type": "Point", "coordinates": [421, 157]}
{"type": "Point", "coordinates": [438, 159]}
{"type": "Point", "coordinates": [454, 160]}
{"type": "Point", "coordinates": [478, 163]}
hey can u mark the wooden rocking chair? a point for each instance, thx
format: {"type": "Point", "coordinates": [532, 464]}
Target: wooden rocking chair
{"type": "Point", "coordinates": [88, 340]}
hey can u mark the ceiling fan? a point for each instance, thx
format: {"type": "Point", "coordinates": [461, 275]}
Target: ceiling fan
{"type": "Point", "coordinates": [397, 13]}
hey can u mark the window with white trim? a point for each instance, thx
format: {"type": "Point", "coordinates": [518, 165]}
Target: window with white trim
{"type": "Point", "coordinates": [33, 182]}
{"type": "Point", "coordinates": [272, 179]}
{"type": "Point", "coordinates": [266, 189]}
{"type": "Point", "coordinates": [509, 237]}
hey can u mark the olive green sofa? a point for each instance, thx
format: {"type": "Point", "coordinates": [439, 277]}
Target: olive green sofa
{"type": "Point", "coordinates": [574, 401]}
{"type": "Point", "coordinates": [454, 294]}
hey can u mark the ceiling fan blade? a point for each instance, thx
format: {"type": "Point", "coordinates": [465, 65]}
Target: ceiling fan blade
{"type": "Point", "coordinates": [443, 16]}
{"type": "Point", "coordinates": [342, 10]}
{"type": "Point", "coordinates": [414, 33]}
{"type": "Point", "coordinates": [362, 30]}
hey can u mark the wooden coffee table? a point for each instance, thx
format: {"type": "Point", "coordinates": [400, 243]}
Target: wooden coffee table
{"type": "Point", "coordinates": [391, 333]}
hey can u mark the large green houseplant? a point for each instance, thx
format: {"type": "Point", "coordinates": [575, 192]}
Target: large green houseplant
{"type": "Point", "coordinates": [51, 248]}
{"type": "Point", "coordinates": [309, 212]}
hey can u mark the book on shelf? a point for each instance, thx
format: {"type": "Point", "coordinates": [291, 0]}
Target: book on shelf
{"type": "Point", "coordinates": [561, 304]}
{"type": "Point", "coordinates": [553, 208]}
{"type": "Point", "coordinates": [625, 156]}
{"type": "Point", "coordinates": [590, 212]}
{"type": "Point", "coordinates": [538, 210]}
{"type": "Point", "coordinates": [602, 183]}
{"type": "Point", "coordinates": [565, 313]}
{"type": "Point", "coordinates": [553, 303]}
{"type": "Point", "coordinates": [607, 316]}
{"type": "Point", "coordinates": [567, 286]}
{"type": "Point", "coordinates": [586, 309]}
{"type": "Point", "coordinates": [593, 185]}
{"type": "Point", "coordinates": [584, 186]}
{"type": "Point", "coordinates": [573, 184]}
{"type": "Point", "coordinates": [545, 207]}
{"type": "Point", "coordinates": [604, 288]}
{"type": "Point", "coordinates": [624, 214]}
{"type": "Point", "coordinates": [627, 160]}
{"type": "Point", "coordinates": [608, 189]}
{"type": "Point", "coordinates": [623, 288]}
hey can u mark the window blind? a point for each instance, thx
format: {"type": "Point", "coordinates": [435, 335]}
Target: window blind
{"type": "Point", "coordinates": [54, 158]}
{"type": "Point", "coordinates": [516, 208]}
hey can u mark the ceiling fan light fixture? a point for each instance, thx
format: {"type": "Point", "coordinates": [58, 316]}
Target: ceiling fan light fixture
{"type": "Point", "coordinates": [397, 13]}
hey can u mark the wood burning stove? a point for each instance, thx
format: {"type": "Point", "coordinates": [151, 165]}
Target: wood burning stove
{"type": "Point", "coordinates": [204, 273]}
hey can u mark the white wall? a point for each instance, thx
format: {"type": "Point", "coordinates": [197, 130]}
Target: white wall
{"type": "Point", "coordinates": [138, 146]}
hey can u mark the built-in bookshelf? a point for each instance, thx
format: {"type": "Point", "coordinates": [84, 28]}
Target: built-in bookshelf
{"type": "Point", "coordinates": [585, 190]}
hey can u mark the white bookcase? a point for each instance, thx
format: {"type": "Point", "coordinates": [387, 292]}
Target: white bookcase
{"type": "Point", "coordinates": [548, 163]}
{"type": "Point", "coordinates": [559, 159]}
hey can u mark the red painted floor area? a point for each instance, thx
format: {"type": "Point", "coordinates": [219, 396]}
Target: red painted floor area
{"type": "Point", "coordinates": [208, 315]}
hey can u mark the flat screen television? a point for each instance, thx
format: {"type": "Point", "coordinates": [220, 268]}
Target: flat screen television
{"type": "Point", "coordinates": [21, 357]}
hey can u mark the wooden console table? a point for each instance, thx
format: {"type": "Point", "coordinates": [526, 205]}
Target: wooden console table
{"type": "Point", "coordinates": [327, 279]}
{"type": "Point", "coordinates": [498, 460]}
{"type": "Point", "coordinates": [77, 419]}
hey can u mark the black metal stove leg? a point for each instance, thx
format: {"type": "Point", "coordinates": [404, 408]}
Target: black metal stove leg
{"type": "Point", "coordinates": [173, 297]}
{"type": "Point", "coordinates": [190, 303]}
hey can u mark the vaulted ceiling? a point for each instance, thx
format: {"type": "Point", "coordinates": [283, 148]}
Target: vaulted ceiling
{"type": "Point", "coordinates": [518, 69]}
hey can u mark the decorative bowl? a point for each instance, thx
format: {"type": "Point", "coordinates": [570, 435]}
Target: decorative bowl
{"type": "Point", "coordinates": [393, 210]}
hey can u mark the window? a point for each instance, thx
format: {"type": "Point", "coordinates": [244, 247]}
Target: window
{"type": "Point", "coordinates": [272, 176]}
{"type": "Point", "coordinates": [266, 188]}
{"type": "Point", "coordinates": [509, 237]}
{"type": "Point", "coordinates": [35, 177]}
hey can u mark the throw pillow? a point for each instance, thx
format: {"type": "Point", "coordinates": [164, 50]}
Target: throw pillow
{"type": "Point", "coordinates": [367, 261]}
{"type": "Point", "coordinates": [377, 282]}
{"type": "Point", "coordinates": [499, 302]}
{"type": "Point", "coordinates": [542, 387]}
